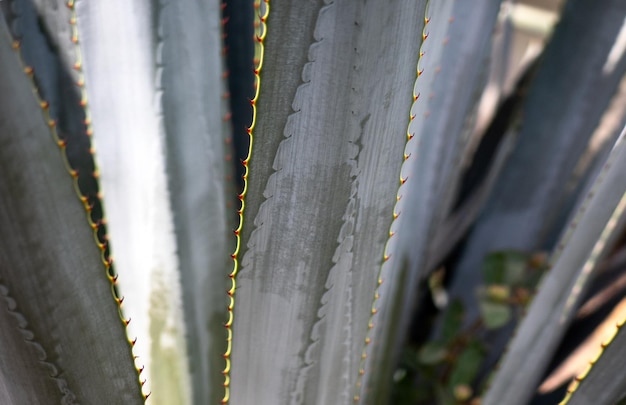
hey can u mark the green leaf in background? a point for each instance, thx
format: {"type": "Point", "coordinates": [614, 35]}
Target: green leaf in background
{"type": "Point", "coordinates": [507, 268]}
{"type": "Point", "coordinates": [432, 353]}
{"type": "Point", "coordinates": [453, 320]}
{"type": "Point", "coordinates": [494, 314]}
{"type": "Point", "coordinates": [467, 366]}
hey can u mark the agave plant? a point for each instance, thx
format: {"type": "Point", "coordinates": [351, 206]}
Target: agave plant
{"type": "Point", "coordinates": [119, 268]}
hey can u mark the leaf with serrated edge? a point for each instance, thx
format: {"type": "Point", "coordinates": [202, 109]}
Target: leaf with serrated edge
{"type": "Point", "coordinates": [199, 163]}
{"type": "Point", "coordinates": [64, 340]}
{"type": "Point", "coordinates": [447, 50]}
{"type": "Point", "coordinates": [123, 87]}
{"type": "Point", "coordinates": [322, 212]}
{"type": "Point", "coordinates": [603, 381]}
{"type": "Point", "coordinates": [576, 256]}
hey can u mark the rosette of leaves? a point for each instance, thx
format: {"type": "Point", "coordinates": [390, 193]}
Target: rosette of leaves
{"type": "Point", "coordinates": [119, 269]}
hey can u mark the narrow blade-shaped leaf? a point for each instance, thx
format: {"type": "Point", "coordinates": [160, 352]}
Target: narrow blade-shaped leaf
{"type": "Point", "coordinates": [121, 83]}
{"type": "Point", "coordinates": [200, 178]}
{"type": "Point", "coordinates": [577, 255]}
{"type": "Point", "coordinates": [603, 382]}
{"type": "Point", "coordinates": [452, 54]}
{"type": "Point", "coordinates": [61, 335]}
{"type": "Point", "coordinates": [324, 171]}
